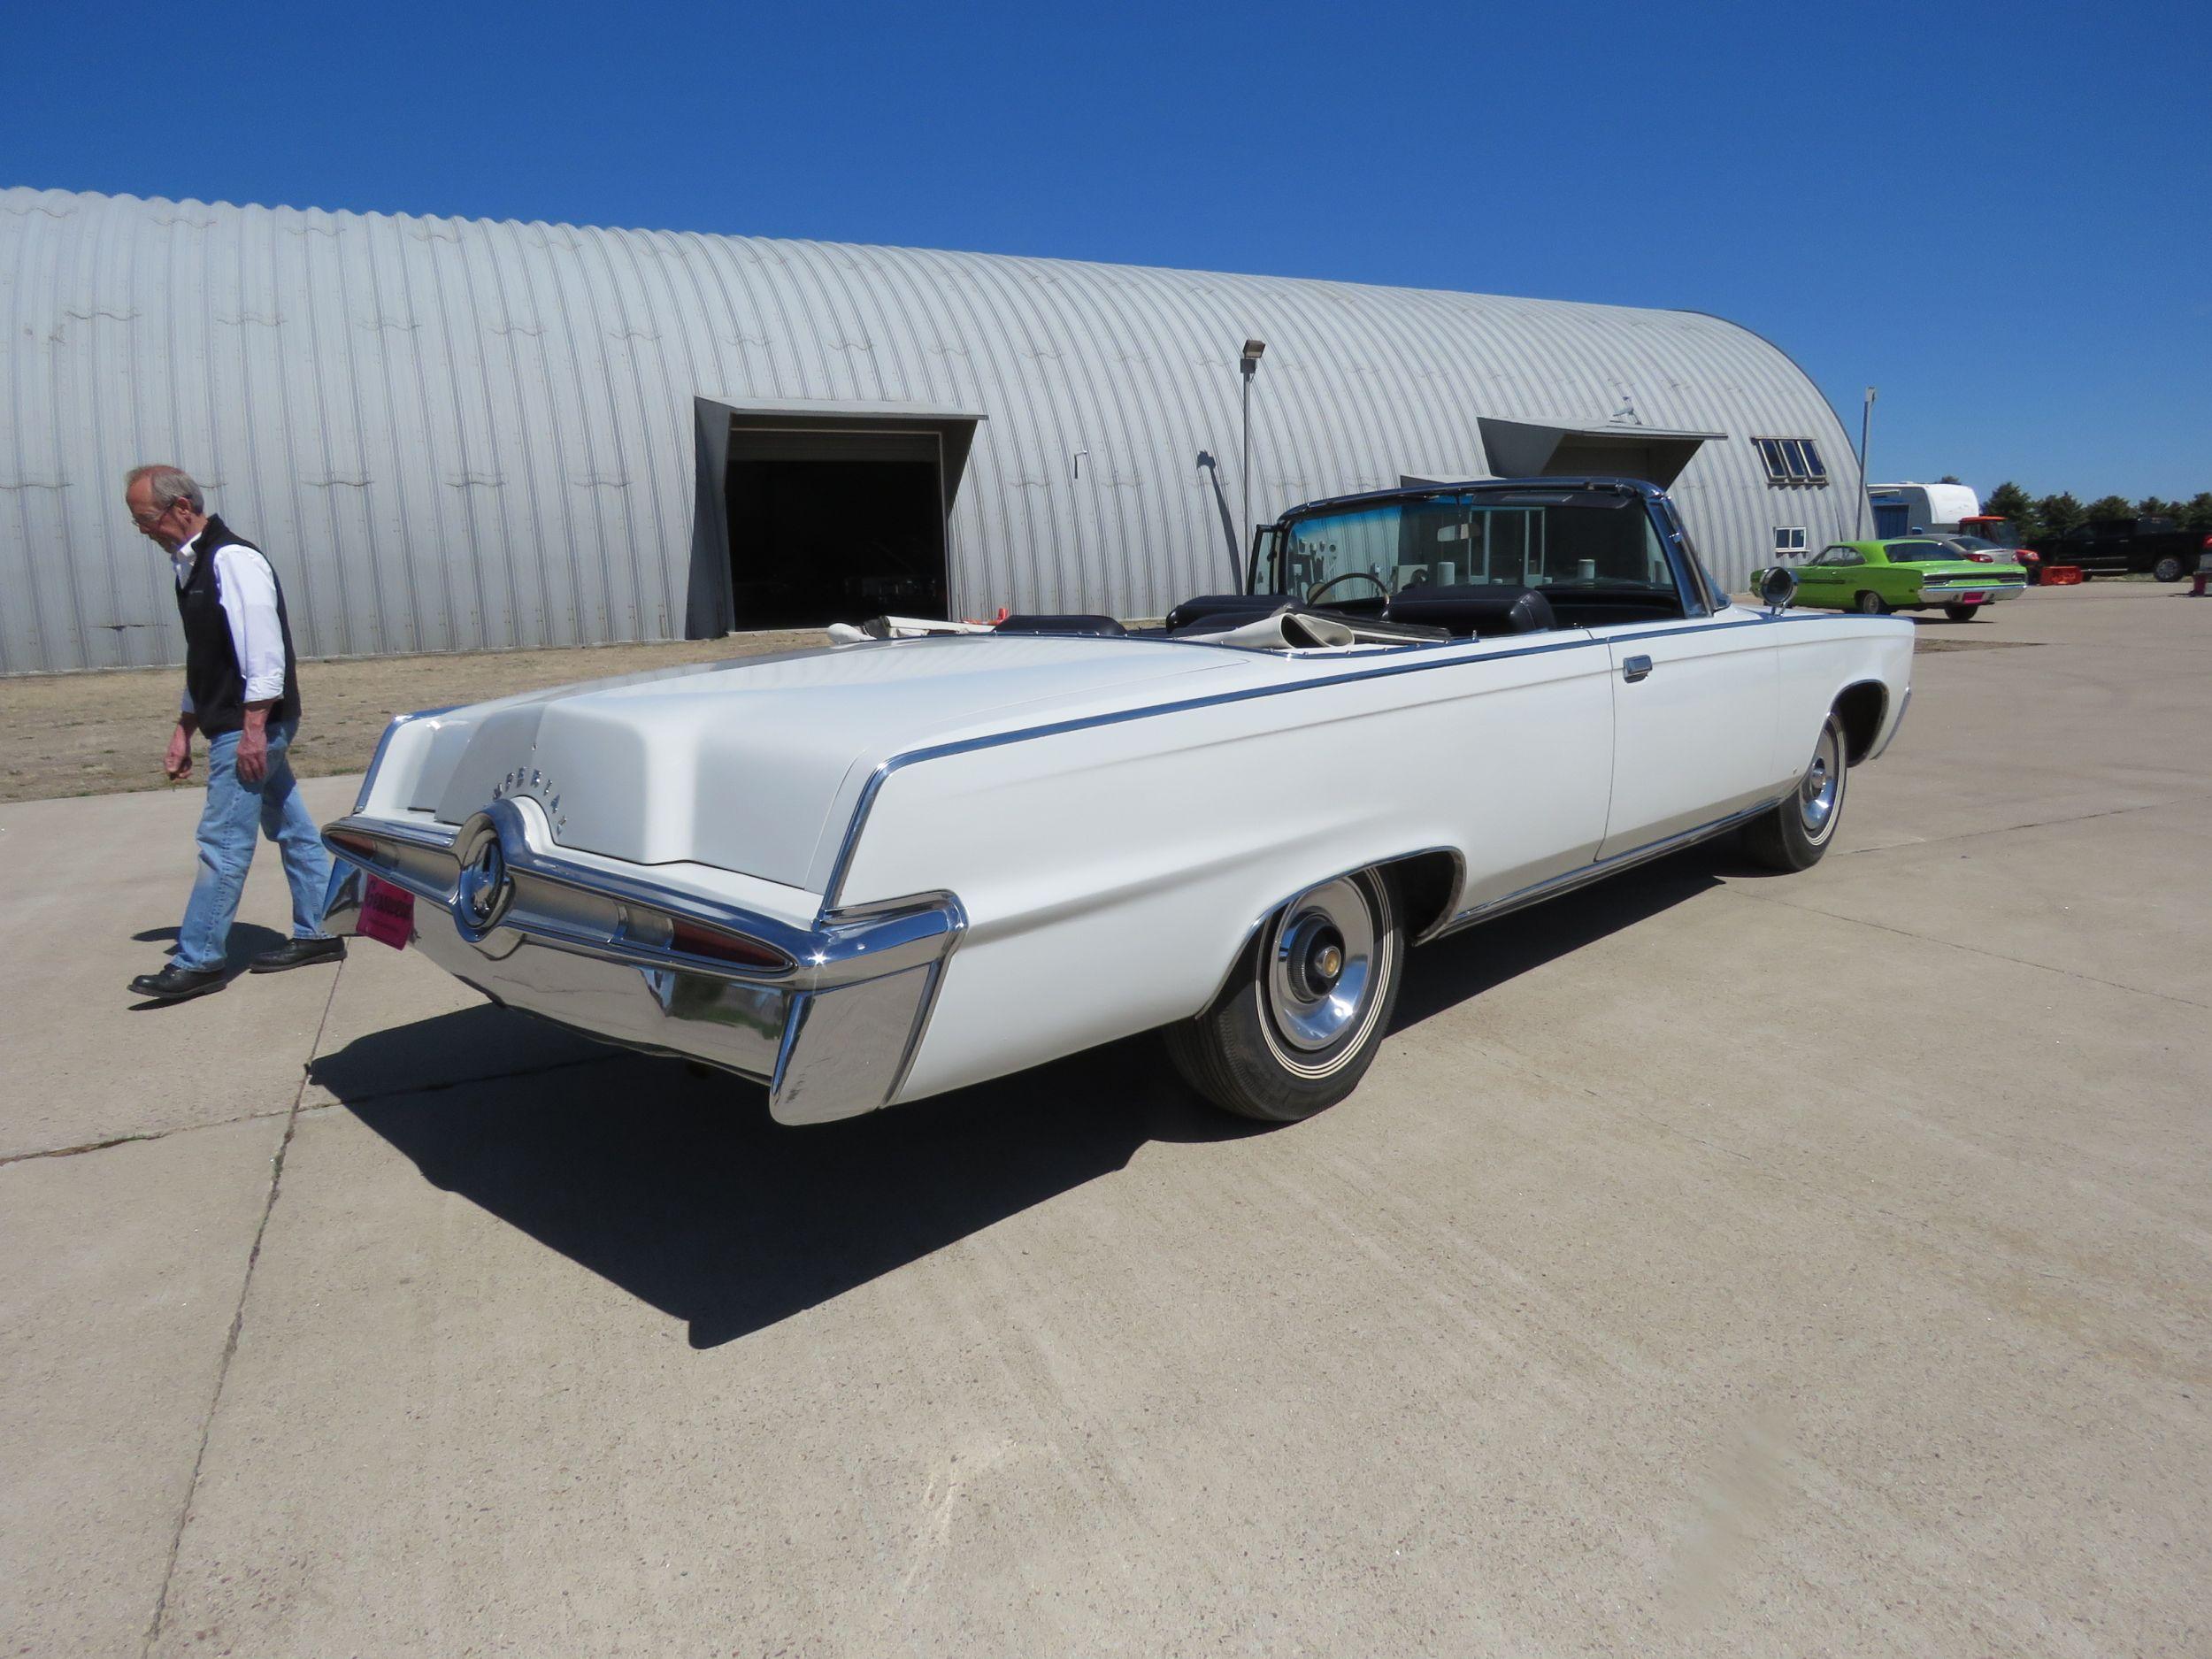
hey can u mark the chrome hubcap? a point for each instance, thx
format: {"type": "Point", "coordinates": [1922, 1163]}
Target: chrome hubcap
{"type": "Point", "coordinates": [1823, 783]}
{"type": "Point", "coordinates": [1321, 966]}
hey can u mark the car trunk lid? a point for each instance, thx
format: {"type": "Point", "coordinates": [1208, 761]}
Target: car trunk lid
{"type": "Point", "coordinates": [751, 766]}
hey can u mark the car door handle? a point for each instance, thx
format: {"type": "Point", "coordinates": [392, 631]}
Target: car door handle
{"type": "Point", "coordinates": [1635, 668]}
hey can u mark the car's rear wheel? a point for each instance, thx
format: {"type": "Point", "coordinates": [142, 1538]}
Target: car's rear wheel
{"type": "Point", "coordinates": [1872, 604]}
{"type": "Point", "coordinates": [2168, 569]}
{"type": "Point", "coordinates": [1304, 1012]}
{"type": "Point", "coordinates": [1796, 832]}
{"type": "Point", "coordinates": [1961, 613]}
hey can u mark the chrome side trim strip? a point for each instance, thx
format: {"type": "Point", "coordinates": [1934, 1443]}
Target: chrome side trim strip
{"type": "Point", "coordinates": [841, 866]}
{"type": "Point", "coordinates": [1553, 886]}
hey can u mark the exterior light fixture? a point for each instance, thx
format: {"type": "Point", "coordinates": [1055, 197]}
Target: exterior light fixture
{"type": "Point", "coordinates": [1249, 363]}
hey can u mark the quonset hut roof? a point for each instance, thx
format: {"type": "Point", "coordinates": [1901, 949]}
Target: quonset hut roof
{"type": "Point", "coordinates": [455, 433]}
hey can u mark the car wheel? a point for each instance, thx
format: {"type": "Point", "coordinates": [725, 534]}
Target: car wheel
{"type": "Point", "coordinates": [1304, 1012]}
{"type": "Point", "coordinates": [1796, 832]}
{"type": "Point", "coordinates": [1872, 604]}
{"type": "Point", "coordinates": [1961, 613]}
{"type": "Point", "coordinates": [2168, 569]}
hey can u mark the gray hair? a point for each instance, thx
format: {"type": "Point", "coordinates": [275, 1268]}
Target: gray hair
{"type": "Point", "coordinates": [166, 486]}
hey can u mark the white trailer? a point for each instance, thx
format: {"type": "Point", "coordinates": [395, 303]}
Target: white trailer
{"type": "Point", "coordinates": [1911, 509]}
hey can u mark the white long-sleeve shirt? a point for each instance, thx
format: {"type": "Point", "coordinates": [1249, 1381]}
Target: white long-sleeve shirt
{"type": "Point", "coordinates": [246, 589]}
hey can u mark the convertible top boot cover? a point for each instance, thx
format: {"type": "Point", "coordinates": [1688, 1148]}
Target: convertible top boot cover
{"type": "Point", "coordinates": [1471, 610]}
{"type": "Point", "coordinates": [754, 765]}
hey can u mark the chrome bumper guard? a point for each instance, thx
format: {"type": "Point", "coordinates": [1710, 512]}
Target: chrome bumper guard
{"type": "Point", "coordinates": [828, 1015]}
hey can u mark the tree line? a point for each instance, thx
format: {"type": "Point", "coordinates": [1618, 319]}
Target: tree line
{"type": "Point", "coordinates": [2038, 516]}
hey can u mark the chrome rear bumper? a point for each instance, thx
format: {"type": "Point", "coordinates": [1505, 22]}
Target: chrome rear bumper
{"type": "Point", "coordinates": [828, 1015]}
{"type": "Point", "coordinates": [1988, 596]}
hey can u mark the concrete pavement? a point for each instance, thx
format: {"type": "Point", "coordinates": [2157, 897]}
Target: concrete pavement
{"type": "Point", "coordinates": [1714, 1262]}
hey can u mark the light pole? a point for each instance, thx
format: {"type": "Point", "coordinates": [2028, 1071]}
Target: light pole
{"type": "Point", "coordinates": [1866, 423]}
{"type": "Point", "coordinates": [1251, 362]}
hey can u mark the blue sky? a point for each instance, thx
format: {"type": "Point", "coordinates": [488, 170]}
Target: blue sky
{"type": "Point", "coordinates": [2000, 214]}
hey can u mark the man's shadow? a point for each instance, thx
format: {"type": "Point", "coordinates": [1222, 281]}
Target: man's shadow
{"type": "Point", "coordinates": [247, 941]}
{"type": "Point", "coordinates": [676, 1186]}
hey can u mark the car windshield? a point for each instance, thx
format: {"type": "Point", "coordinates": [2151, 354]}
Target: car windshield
{"type": "Point", "coordinates": [1925, 553]}
{"type": "Point", "coordinates": [1580, 538]}
{"type": "Point", "coordinates": [1975, 544]}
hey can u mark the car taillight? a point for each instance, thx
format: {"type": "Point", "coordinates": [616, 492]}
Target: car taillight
{"type": "Point", "coordinates": [355, 843]}
{"type": "Point", "coordinates": [1983, 558]}
{"type": "Point", "coordinates": [696, 941]}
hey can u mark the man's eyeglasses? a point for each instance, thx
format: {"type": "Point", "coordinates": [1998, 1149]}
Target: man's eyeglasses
{"type": "Point", "coordinates": [147, 520]}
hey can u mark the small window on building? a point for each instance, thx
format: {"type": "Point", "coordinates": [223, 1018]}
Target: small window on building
{"type": "Point", "coordinates": [1789, 538]}
{"type": "Point", "coordinates": [1792, 460]}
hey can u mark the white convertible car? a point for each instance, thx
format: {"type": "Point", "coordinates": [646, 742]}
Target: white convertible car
{"type": "Point", "coordinates": [872, 873]}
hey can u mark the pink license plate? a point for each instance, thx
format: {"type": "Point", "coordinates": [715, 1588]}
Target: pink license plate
{"type": "Point", "coordinates": [387, 914]}
{"type": "Point", "coordinates": [1972, 599]}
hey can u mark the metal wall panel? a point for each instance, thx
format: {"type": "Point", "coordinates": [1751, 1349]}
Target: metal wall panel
{"type": "Point", "coordinates": [454, 434]}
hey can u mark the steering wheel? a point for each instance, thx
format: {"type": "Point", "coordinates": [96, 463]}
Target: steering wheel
{"type": "Point", "coordinates": [1313, 594]}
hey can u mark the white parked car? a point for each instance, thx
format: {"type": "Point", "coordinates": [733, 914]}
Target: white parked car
{"type": "Point", "coordinates": [872, 873]}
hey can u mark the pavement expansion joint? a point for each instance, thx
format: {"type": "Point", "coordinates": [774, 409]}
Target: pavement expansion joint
{"type": "Point", "coordinates": [1953, 944]}
{"type": "Point", "coordinates": [146, 1135]}
{"type": "Point", "coordinates": [2008, 829]}
{"type": "Point", "coordinates": [478, 1079]}
{"type": "Point", "coordinates": [237, 1326]}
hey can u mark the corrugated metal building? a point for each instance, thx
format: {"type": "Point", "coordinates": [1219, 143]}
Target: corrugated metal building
{"type": "Point", "coordinates": [455, 434]}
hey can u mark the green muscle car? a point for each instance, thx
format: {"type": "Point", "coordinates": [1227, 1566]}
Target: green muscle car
{"type": "Point", "coordinates": [1908, 573]}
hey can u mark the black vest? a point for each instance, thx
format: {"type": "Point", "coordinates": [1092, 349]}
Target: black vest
{"type": "Point", "coordinates": [212, 673]}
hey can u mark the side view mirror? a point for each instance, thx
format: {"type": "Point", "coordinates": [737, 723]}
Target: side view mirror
{"type": "Point", "coordinates": [1777, 587]}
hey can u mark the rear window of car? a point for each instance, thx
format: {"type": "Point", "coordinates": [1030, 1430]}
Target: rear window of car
{"type": "Point", "coordinates": [1919, 553]}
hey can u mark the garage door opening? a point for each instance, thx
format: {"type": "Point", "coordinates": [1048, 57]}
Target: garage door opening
{"type": "Point", "coordinates": [810, 513]}
{"type": "Point", "coordinates": [816, 541]}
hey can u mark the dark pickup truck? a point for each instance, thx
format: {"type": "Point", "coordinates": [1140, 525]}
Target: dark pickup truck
{"type": "Point", "coordinates": [2119, 546]}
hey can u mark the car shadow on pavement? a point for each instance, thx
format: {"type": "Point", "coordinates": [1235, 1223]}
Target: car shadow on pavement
{"type": "Point", "coordinates": [1448, 973]}
{"type": "Point", "coordinates": [679, 1188]}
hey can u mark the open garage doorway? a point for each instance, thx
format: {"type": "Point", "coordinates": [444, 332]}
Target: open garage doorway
{"type": "Point", "coordinates": [809, 514]}
{"type": "Point", "coordinates": [834, 528]}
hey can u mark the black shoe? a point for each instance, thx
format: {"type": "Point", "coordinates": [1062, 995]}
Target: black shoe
{"type": "Point", "coordinates": [297, 953]}
{"type": "Point", "coordinates": [173, 984]}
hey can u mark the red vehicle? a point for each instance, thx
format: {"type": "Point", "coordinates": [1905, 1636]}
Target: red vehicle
{"type": "Point", "coordinates": [1993, 532]}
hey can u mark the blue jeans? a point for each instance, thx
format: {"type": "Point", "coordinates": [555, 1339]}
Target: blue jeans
{"type": "Point", "coordinates": [234, 808]}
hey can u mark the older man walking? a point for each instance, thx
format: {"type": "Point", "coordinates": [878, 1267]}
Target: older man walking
{"type": "Point", "coordinates": [241, 692]}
